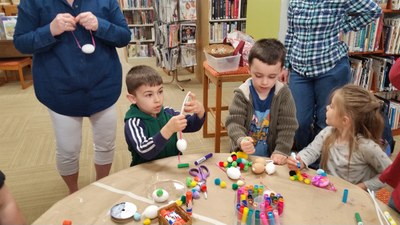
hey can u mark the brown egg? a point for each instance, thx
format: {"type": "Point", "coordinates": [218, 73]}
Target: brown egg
{"type": "Point", "coordinates": [259, 160]}
{"type": "Point", "coordinates": [257, 168]}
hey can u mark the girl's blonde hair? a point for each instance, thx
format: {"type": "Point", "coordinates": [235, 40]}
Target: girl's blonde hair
{"type": "Point", "coordinates": [364, 111]}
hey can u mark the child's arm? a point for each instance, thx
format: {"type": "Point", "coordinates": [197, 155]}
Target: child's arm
{"type": "Point", "coordinates": [378, 161]}
{"type": "Point", "coordinates": [236, 120]}
{"type": "Point", "coordinates": [148, 147]}
{"type": "Point", "coordinates": [313, 151]}
{"type": "Point", "coordinates": [286, 126]}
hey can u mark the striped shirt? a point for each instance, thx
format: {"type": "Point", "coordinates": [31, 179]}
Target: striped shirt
{"type": "Point", "coordinates": [312, 38]}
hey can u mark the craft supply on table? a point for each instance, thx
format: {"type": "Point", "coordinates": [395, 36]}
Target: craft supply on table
{"type": "Point", "coordinates": [202, 159]}
{"type": "Point", "coordinates": [345, 193]}
{"type": "Point", "coordinates": [358, 219]}
{"type": "Point", "coordinates": [123, 212]}
{"type": "Point", "coordinates": [256, 205]}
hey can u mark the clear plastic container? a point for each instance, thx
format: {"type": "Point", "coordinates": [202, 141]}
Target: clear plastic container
{"type": "Point", "coordinates": [223, 64]}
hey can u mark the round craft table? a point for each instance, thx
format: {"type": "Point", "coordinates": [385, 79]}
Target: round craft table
{"type": "Point", "coordinates": [304, 204]}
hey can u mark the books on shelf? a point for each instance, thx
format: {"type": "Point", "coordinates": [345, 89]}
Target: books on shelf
{"type": "Point", "coordinates": [127, 4]}
{"type": "Point", "coordinates": [228, 9]}
{"type": "Point", "coordinates": [187, 10]}
{"type": "Point", "coordinates": [167, 10]}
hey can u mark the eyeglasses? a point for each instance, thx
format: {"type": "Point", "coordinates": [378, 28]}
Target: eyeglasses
{"type": "Point", "coordinates": [87, 48]}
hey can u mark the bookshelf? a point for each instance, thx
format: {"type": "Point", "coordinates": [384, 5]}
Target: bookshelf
{"type": "Point", "coordinates": [217, 18]}
{"type": "Point", "coordinates": [140, 18]}
{"type": "Point", "coordinates": [373, 51]}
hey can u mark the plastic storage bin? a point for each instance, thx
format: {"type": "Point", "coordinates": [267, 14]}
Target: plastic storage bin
{"type": "Point", "coordinates": [223, 64]}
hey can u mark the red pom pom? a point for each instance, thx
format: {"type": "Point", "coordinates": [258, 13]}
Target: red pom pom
{"type": "Point", "coordinates": [234, 157]}
{"type": "Point", "coordinates": [241, 165]}
{"type": "Point", "coordinates": [221, 164]}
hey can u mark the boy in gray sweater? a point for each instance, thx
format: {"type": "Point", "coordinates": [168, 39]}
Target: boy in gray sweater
{"type": "Point", "coordinates": [262, 116]}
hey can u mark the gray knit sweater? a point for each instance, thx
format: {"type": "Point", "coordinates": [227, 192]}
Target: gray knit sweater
{"type": "Point", "coordinates": [283, 122]}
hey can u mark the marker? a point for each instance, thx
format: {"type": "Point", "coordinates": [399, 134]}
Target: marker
{"type": "Point", "coordinates": [264, 220]}
{"type": "Point", "coordinates": [257, 215]}
{"type": "Point", "coordinates": [250, 218]}
{"type": "Point", "coordinates": [358, 219]}
{"type": "Point", "coordinates": [244, 216]}
{"type": "Point", "coordinates": [202, 159]}
{"type": "Point", "coordinates": [345, 193]}
{"type": "Point", "coordinates": [293, 154]}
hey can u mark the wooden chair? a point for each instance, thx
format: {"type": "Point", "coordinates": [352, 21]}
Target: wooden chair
{"type": "Point", "coordinates": [10, 10]}
{"type": "Point", "coordinates": [15, 64]}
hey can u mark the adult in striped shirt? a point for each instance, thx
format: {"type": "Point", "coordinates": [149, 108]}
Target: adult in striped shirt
{"type": "Point", "coordinates": [317, 59]}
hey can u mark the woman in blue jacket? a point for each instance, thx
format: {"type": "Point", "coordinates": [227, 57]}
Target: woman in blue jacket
{"type": "Point", "coordinates": [76, 73]}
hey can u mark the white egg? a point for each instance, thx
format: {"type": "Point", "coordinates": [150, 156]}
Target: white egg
{"type": "Point", "coordinates": [150, 212]}
{"type": "Point", "coordinates": [270, 168]}
{"type": "Point", "coordinates": [181, 144]}
{"type": "Point", "coordinates": [88, 49]}
{"type": "Point", "coordinates": [233, 173]}
{"type": "Point", "coordinates": [160, 195]}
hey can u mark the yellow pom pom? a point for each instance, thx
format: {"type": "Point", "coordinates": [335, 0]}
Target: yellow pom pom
{"type": "Point", "coordinates": [223, 184]}
{"type": "Point", "coordinates": [242, 155]}
{"type": "Point", "coordinates": [179, 202]}
{"type": "Point", "coordinates": [225, 164]}
{"type": "Point", "coordinates": [291, 178]}
{"type": "Point", "coordinates": [307, 181]}
{"type": "Point", "coordinates": [193, 184]}
{"type": "Point", "coordinates": [300, 178]}
{"type": "Point", "coordinates": [147, 221]}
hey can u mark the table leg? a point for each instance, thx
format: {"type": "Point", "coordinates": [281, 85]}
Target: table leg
{"type": "Point", "coordinates": [205, 104]}
{"type": "Point", "coordinates": [218, 104]}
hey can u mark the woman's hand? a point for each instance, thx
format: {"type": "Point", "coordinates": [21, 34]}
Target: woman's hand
{"type": "Point", "coordinates": [88, 21]}
{"type": "Point", "coordinates": [61, 23]}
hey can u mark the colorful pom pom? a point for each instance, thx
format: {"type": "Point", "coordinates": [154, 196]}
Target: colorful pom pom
{"type": "Point", "coordinates": [179, 202]}
{"type": "Point", "coordinates": [147, 221]}
{"type": "Point", "coordinates": [223, 184]}
{"type": "Point", "coordinates": [235, 186]}
{"type": "Point", "coordinates": [136, 216]}
{"type": "Point", "coordinates": [217, 181]}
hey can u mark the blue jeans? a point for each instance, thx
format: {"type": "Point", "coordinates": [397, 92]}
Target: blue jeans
{"type": "Point", "coordinates": [311, 95]}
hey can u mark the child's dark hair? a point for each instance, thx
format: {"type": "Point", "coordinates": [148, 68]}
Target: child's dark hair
{"type": "Point", "coordinates": [269, 51]}
{"type": "Point", "coordinates": [364, 110]}
{"type": "Point", "coordinates": [141, 75]}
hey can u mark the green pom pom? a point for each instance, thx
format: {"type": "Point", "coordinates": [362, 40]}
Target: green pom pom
{"type": "Point", "coordinates": [235, 186]}
{"type": "Point", "coordinates": [239, 160]}
{"type": "Point", "coordinates": [234, 164]}
{"type": "Point", "coordinates": [159, 192]}
{"type": "Point", "coordinates": [183, 199]}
